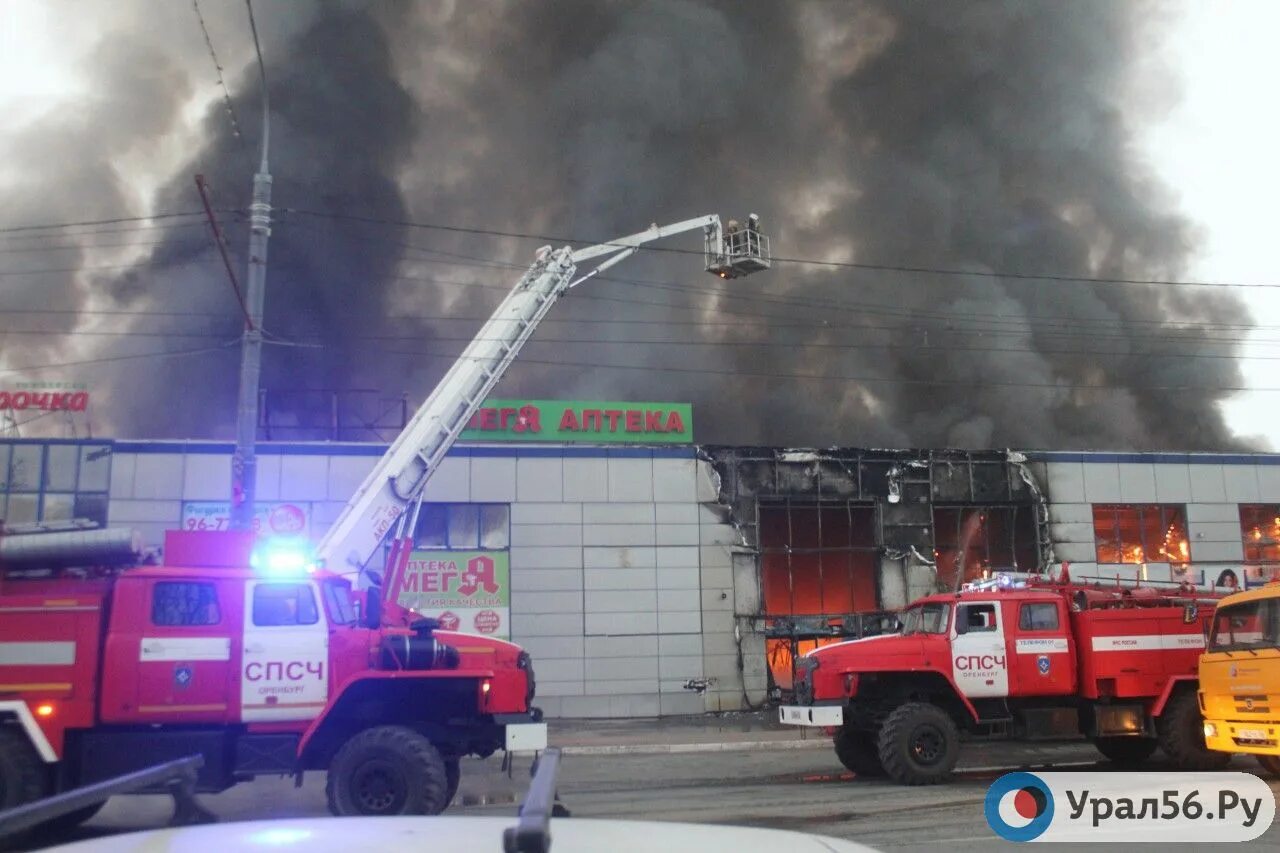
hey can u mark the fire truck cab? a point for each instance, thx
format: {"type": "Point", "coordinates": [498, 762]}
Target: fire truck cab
{"type": "Point", "coordinates": [1013, 658]}
{"type": "Point", "coordinates": [261, 665]}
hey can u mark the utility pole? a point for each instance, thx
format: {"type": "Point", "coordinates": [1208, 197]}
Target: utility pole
{"type": "Point", "coordinates": [244, 465]}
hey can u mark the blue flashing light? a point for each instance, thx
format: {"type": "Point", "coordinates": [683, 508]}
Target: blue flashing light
{"type": "Point", "coordinates": [283, 559]}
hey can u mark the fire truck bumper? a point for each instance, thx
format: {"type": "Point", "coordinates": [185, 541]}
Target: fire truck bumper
{"type": "Point", "coordinates": [523, 732]}
{"type": "Point", "coordinates": [1255, 738]}
{"type": "Point", "coordinates": [820, 716]}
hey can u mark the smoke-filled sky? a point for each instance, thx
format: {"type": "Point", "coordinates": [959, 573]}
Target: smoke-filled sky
{"type": "Point", "coordinates": [984, 139]}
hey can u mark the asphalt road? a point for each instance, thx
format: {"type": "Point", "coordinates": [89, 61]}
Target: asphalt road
{"type": "Point", "coordinates": [801, 789]}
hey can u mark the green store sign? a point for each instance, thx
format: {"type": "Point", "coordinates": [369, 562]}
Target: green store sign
{"type": "Point", "coordinates": [590, 422]}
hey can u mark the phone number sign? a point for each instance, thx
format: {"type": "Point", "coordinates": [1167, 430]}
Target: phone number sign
{"type": "Point", "coordinates": [283, 518]}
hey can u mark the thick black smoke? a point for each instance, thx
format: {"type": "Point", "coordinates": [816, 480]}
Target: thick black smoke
{"type": "Point", "coordinates": [989, 137]}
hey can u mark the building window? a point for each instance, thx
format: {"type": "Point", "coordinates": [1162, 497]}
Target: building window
{"type": "Point", "coordinates": [978, 540]}
{"type": "Point", "coordinates": [1260, 530]}
{"type": "Point", "coordinates": [54, 482]}
{"type": "Point", "coordinates": [182, 604]}
{"type": "Point", "coordinates": [464, 527]}
{"type": "Point", "coordinates": [1141, 533]}
{"type": "Point", "coordinates": [276, 604]}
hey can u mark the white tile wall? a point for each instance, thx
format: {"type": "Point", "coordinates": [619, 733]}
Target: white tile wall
{"type": "Point", "coordinates": [629, 513]}
{"type": "Point", "coordinates": [546, 558]}
{"type": "Point", "coordinates": [1066, 482]}
{"type": "Point", "coordinates": [548, 603]}
{"type": "Point", "coordinates": [630, 480]}
{"type": "Point", "coordinates": [122, 465]}
{"type": "Point", "coordinates": [1207, 483]}
{"type": "Point", "coordinates": [1215, 531]}
{"type": "Point", "coordinates": [1206, 550]}
{"type": "Point", "coordinates": [493, 479]}
{"type": "Point", "coordinates": [685, 513]}
{"type": "Point", "coordinates": [305, 478]}
{"type": "Point", "coordinates": [679, 645]}
{"type": "Point", "coordinates": [619, 534]}
{"type": "Point", "coordinates": [586, 480]}
{"type": "Point", "coordinates": [159, 475]}
{"type": "Point", "coordinates": [1173, 483]}
{"type": "Point", "coordinates": [125, 512]}
{"type": "Point", "coordinates": [1241, 482]}
{"type": "Point", "coordinates": [451, 483]}
{"type": "Point", "coordinates": [1213, 512]}
{"type": "Point", "coordinates": [1137, 482]}
{"type": "Point", "coordinates": [708, 483]}
{"type": "Point", "coordinates": [1268, 482]}
{"type": "Point", "coordinates": [539, 479]}
{"type": "Point", "coordinates": [621, 647]}
{"type": "Point", "coordinates": [206, 477]}
{"type": "Point", "coordinates": [546, 580]}
{"type": "Point", "coordinates": [675, 480]}
{"type": "Point", "coordinates": [621, 623]}
{"type": "Point", "coordinates": [620, 558]}
{"type": "Point", "coordinates": [677, 534]}
{"type": "Point", "coordinates": [346, 473]}
{"type": "Point", "coordinates": [268, 475]}
{"type": "Point", "coordinates": [620, 579]}
{"type": "Point", "coordinates": [525, 513]}
{"type": "Point", "coordinates": [681, 578]}
{"type": "Point", "coordinates": [546, 534]}
{"type": "Point", "coordinates": [633, 600]}
{"type": "Point", "coordinates": [1102, 482]}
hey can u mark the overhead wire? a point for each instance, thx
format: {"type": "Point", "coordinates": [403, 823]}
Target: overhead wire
{"type": "Point", "coordinates": [877, 267]}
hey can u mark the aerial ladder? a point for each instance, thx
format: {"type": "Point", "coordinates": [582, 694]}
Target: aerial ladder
{"type": "Point", "coordinates": [391, 494]}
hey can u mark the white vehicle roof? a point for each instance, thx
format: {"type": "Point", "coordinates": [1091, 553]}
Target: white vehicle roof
{"type": "Point", "coordinates": [464, 834]}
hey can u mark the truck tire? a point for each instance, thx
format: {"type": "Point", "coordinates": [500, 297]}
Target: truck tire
{"type": "Point", "coordinates": [857, 750]}
{"type": "Point", "coordinates": [387, 770]}
{"type": "Point", "coordinates": [1126, 751]}
{"type": "Point", "coordinates": [453, 775]}
{"type": "Point", "coordinates": [918, 744]}
{"type": "Point", "coordinates": [22, 773]}
{"type": "Point", "coordinates": [1181, 734]}
{"type": "Point", "coordinates": [1270, 764]}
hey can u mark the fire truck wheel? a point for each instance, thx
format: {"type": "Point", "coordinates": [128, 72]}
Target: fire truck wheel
{"type": "Point", "coordinates": [918, 744]}
{"type": "Point", "coordinates": [1181, 731]}
{"type": "Point", "coordinates": [1270, 763]}
{"type": "Point", "coordinates": [1126, 751]}
{"type": "Point", "coordinates": [857, 751]}
{"type": "Point", "coordinates": [22, 774]}
{"type": "Point", "coordinates": [387, 770]}
{"type": "Point", "coordinates": [453, 775]}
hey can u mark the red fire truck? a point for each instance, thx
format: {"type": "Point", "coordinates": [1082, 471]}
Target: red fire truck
{"type": "Point", "coordinates": [257, 662]}
{"type": "Point", "coordinates": [256, 657]}
{"type": "Point", "coordinates": [1015, 657]}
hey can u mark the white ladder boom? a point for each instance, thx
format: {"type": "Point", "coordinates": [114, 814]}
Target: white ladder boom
{"type": "Point", "coordinates": [402, 473]}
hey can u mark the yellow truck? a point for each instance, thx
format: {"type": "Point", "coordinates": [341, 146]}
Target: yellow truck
{"type": "Point", "coordinates": [1240, 676]}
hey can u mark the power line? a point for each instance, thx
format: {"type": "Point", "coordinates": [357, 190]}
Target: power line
{"type": "Point", "coordinates": [29, 368]}
{"type": "Point", "coordinates": [62, 235]}
{"type": "Point", "coordinates": [226, 93]}
{"type": "Point", "coordinates": [14, 229]}
{"type": "Point", "coordinates": [906, 347]}
{"type": "Point", "coordinates": [953, 382]}
{"type": "Point", "coordinates": [941, 271]}
{"type": "Point", "coordinates": [79, 247]}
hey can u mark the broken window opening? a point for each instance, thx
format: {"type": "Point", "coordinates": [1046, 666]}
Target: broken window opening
{"type": "Point", "coordinates": [986, 538]}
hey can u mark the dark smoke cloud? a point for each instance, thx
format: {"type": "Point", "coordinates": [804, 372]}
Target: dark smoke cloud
{"type": "Point", "coordinates": [988, 136]}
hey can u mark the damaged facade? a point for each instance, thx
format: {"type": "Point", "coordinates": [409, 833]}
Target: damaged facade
{"type": "Point", "coordinates": [674, 580]}
{"type": "Point", "coordinates": [832, 542]}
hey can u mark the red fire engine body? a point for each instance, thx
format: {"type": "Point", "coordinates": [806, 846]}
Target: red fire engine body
{"type": "Point", "coordinates": [259, 672]}
{"type": "Point", "coordinates": [1016, 659]}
